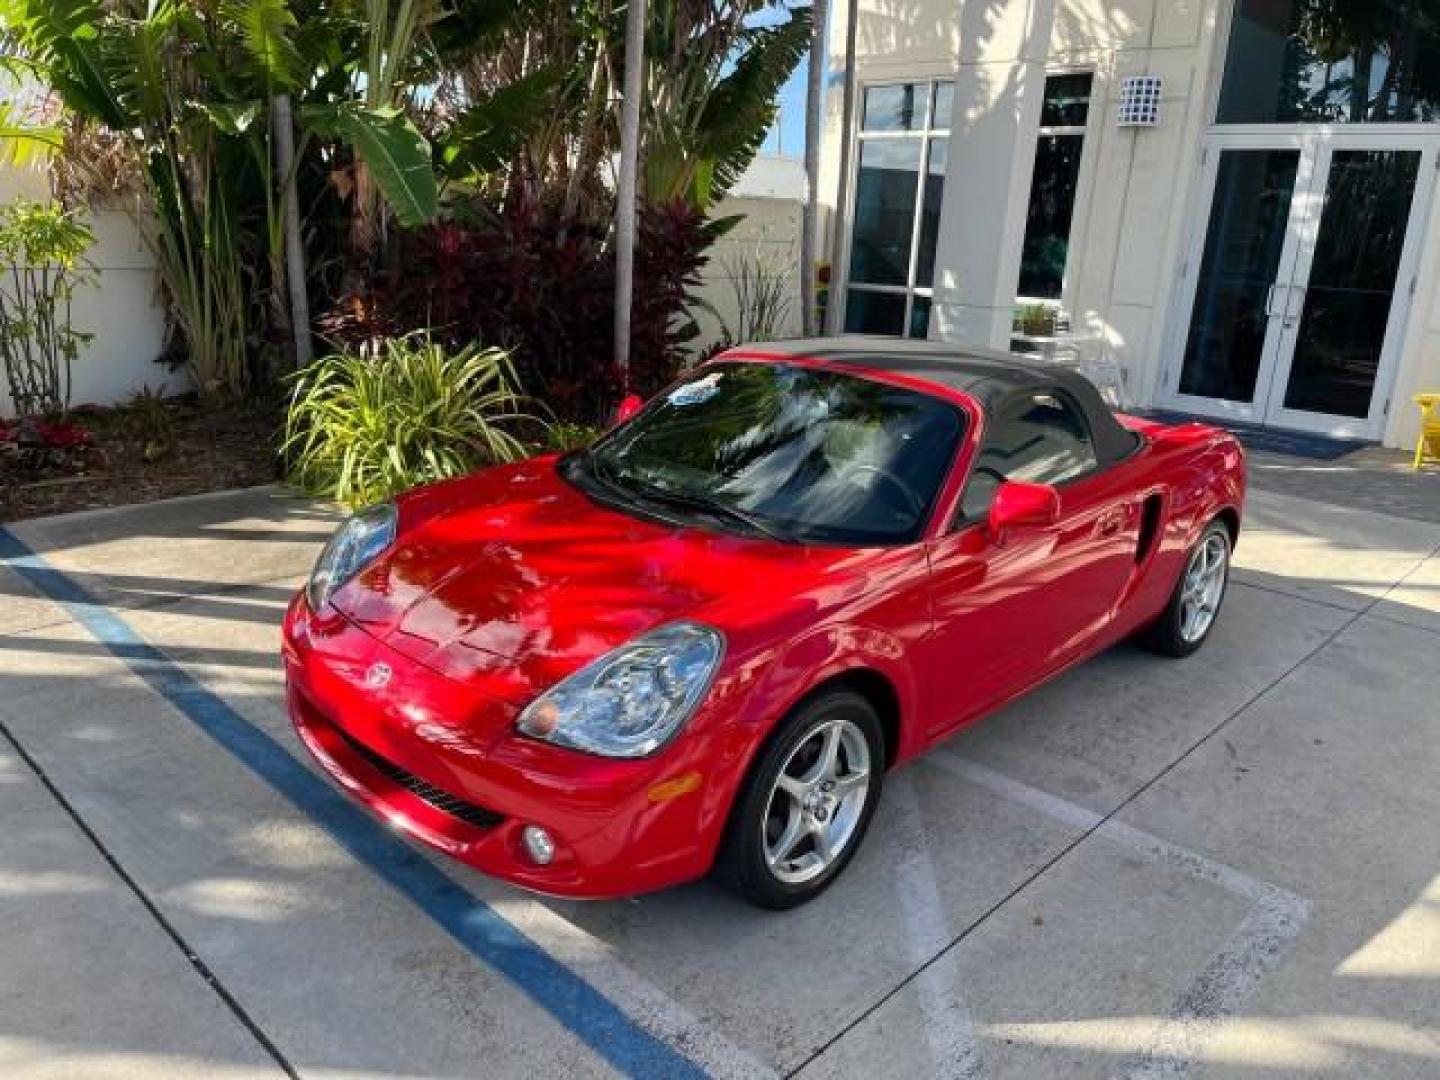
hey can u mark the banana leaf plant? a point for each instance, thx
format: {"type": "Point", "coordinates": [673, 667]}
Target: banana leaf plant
{"type": "Point", "coordinates": [28, 132]}
{"type": "Point", "coordinates": [713, 76]}
{"type": "Point", "coordinates": [187, 86]}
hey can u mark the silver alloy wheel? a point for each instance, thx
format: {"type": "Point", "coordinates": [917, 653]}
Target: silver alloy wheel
{"type": "Point", "coordinates": [817, 802]}
{"type": "Point", "coordinates": [1204, 586]}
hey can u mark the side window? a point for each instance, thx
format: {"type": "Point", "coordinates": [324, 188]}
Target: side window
{"type": "Point", "coordinates": [1040, 437]}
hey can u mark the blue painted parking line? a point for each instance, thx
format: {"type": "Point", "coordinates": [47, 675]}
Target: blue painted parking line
{"type": "Point", "coordinates": [587, 1013]}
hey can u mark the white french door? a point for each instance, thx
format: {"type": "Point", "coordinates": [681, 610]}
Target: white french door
{"type": "Point", "coordinates": [1297, 282]}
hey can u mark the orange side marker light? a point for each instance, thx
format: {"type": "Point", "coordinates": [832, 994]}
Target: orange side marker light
{"type": "Point", "coordinates": [674, 787]}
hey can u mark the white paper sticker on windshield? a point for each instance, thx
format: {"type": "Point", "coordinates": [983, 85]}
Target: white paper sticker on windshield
{"type": "Point", "coordinates": [697, 392]}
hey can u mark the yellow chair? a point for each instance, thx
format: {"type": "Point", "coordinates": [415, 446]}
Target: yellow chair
{"type": "Point", "coordinates": [1428, 447]}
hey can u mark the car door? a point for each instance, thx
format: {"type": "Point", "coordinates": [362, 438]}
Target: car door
{"type": "Point", "coordinates": [1009, 610]}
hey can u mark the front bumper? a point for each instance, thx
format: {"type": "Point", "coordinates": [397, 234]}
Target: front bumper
{"type": "Point", "coordinates": [444, 766]}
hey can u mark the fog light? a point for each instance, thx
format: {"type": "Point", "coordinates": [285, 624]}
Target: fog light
{"type": "Point", "coordinates": [538, 845]}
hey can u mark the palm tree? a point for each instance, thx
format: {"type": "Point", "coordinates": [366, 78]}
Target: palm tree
{"type": "Point", "coordinates": [810, 221]}
{"type": "Point", "coordinates": [390, 153]}
{"type": "Point", "coordinates": [847, 111]}
{"type": "Point", "coordinates": [701, 104]}
{"type": "Point", "coordinates": [715, 75]}
{"type": "Point", "coordinates": [282, 120]}
{"type": "Point", "coordinates": [635, 18]}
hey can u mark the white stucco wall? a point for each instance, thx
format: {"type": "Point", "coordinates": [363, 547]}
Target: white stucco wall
{"type": "Point", "coordinates": [122, 309]}
{"type": "Point", "coordinates": [769, 196]}
{"type": "Point", "coordinates": [1138, 187]}
{"type": "Point", "coordinates": [1420, 361]}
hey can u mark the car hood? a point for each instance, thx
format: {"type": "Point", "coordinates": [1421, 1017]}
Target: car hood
{"type": "Point", "coordinates": [513, 579]}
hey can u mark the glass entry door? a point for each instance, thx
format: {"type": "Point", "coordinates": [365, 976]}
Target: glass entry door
{"type": "Point", "coordinates": [1298, 285]}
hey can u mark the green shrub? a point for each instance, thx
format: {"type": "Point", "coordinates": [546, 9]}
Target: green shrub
{"type": "Point", "coordinates": [563, 435]}
{"type": "Point", "coordinates": [42, 263]}
{"type": "Point", "coordinates": [149, 417]}
{"type": "Point", "coordinates": [361, 428]}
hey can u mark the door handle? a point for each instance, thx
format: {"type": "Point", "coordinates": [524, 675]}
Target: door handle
{"type": "Point", "coordinates": [1110, 523]}
{"type": "Point", "coordinates": [1293, 316]}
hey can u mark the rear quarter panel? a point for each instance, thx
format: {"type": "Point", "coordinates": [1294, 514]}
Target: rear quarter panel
{"type": "Point", "coordinates": [1197, 472]}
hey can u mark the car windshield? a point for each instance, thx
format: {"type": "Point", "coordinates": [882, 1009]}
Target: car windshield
{"type": "Point", "coordinates": [795, 453]}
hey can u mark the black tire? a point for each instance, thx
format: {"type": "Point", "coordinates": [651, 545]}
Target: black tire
{"type": "Point", "coordinates": [741, 864]}
{"type": "Point", "coordinates": [1167, 634]}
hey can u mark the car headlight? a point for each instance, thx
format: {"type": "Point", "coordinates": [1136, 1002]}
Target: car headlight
{"type": "Point", "coordinates": [632, 700]}
{"type": "Point", "coordinates": [354, 546]}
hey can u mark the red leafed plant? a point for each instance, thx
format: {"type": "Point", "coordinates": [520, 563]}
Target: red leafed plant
{"type": "Point", "coordinates": [37, 445]}
{"type": "Point", "coordinates": [60, 435]}
{"type": "Point", "coordinates": [540, 284]}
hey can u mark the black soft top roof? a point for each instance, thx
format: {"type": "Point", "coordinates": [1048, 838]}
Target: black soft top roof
{"type": "Point", "coordinates": [987, 375]}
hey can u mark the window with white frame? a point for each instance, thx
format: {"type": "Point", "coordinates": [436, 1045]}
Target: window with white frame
{"type": "Point", "coordinates": [1058, 147]}
{"type": "Point", "coordinates": [901, 151]}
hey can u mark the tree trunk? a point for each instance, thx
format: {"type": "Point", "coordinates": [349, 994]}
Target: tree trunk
{"type": "Point", "coordinates": [1363, 56]}
{"type": "Point", "coordinates": [284, 124]}
{"type": "Point", "coordinates": [634, 81]}
{"type": "Point", "coordinates": [847, 121]}
{"type": "Point", "coordinates": [595, 114]}
{"type": "Point", "coordinates": [814, 115]}
{"type": "Point", "coordinates": [364, 230]}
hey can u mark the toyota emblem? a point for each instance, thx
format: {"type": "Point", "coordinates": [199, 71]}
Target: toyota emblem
{"type": "Point", "coordinates": [378, 677]}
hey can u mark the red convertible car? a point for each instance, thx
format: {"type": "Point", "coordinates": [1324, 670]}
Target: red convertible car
{"type": "Point", "coordinates": [700, 644]}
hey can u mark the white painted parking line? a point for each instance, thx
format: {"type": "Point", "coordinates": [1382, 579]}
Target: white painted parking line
{"type": "Point", "coordinates": [1253, 949]}
{"type": "Point", "coordinates": [1160, 852]}
{"type": "Point", "coordinates": [949, 1030]}
{"type": "Point", "coordinates": [1251, 952]}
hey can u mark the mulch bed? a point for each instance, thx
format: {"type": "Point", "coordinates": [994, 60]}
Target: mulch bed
{"type": "Point", "coordinates": [131, 460]}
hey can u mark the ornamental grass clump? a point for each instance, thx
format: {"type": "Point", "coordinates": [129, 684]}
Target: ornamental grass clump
{"type": "Point", "coordinates": [362, 428]}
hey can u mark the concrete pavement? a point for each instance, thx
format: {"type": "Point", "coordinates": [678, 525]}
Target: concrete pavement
{"type": "Point", "coordinates": [94, 985]}
{"type": "Point", "coordinates": [1228, 866]}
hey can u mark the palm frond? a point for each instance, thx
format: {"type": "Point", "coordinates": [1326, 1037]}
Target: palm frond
{"type": "Point", "coordinates": [28, 133]}
{"type": "Point", "coordinates": [470, 26]}
{"type": "Point", "coordinates": [134, 53]}
{"type": "Point", "coordinates": [24, 143]}
{"type": "Point", "coordinates": [268, 28]}
{"type": "Point", "coordinates": [59, 35]}
{"type": "Point", "coordinates": [399, 158]}
{"type": "Point", "coordinates": [742, 106]}
{"type": "Point", "coordinates": [486, 136]}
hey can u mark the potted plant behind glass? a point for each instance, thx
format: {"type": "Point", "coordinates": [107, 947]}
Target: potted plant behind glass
{"type": "Point", "coordinates": [1036, 320]}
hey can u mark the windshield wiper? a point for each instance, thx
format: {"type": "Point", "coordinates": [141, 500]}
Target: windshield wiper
{"type": "Point", "coordinates": [632, 489]}
{"type": "Point", "coordinates": [603, 471]}
{"type": "Point", "coordinates": [607, 477]}
{"type": "Point", "coordinates": [714, 507]}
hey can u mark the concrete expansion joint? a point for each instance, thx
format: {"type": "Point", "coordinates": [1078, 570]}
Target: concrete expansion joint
{"type": "Point", "coordinates": [166, 927]}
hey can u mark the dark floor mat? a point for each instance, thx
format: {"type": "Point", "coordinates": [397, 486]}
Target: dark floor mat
{"type": "Point", "coordinates": [1271, 441]}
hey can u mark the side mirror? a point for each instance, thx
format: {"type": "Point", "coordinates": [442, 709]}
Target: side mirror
{"type": "Point", "coordinates": [628, 408]}
{"type": "Point", "coordinates": [1017, 503]}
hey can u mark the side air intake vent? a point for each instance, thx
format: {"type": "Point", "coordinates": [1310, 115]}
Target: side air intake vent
{"type": "Point", "coordinates": [1149, 526]}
